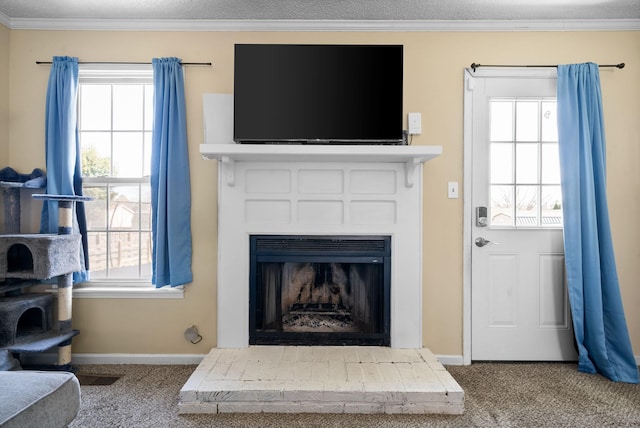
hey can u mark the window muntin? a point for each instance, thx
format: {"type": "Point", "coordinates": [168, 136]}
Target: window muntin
{"type": "Point", "coordinates": [524, 165]}
{"type": "Point", "coordinates": [114, 125]}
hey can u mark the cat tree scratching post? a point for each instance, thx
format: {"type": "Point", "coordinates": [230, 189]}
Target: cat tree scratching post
{"type": "Point", "coordinates": [65, 282]}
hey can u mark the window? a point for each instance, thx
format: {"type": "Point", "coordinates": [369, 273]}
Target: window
{"type": "Point", "coordinates": [115, 120]}
{"type": "Point", "coordinates": [524, 163]}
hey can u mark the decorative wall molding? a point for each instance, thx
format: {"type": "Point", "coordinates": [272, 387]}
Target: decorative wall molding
{"type": "Point", "coordinates": [5, 20]}
{"type": "Point", "coordinates": [319, 25]}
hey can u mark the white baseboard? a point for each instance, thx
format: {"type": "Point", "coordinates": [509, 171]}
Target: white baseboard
{"type": "Point", "coordinates": [155, 359]}
{"type": "Point", "coordinates": [173, 359]}
{"type": "Point", "coordinates": [450, 360]}
{"type": "Point", "coordinates": [457, 360]}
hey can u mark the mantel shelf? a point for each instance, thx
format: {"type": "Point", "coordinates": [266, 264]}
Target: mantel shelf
{"type": "Point", "coordinates": [319, 153]}
{"type": "Point", "coordinates": [228, 154]}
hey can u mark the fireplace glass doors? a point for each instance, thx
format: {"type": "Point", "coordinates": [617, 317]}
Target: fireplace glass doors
{"type": "Point", "coordinates": [320, 290]}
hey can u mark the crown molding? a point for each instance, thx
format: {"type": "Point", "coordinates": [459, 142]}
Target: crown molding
{"type": "Point", "coordinates": [319, 25]}
{"type": "Point", "coordinates": [5, 20]}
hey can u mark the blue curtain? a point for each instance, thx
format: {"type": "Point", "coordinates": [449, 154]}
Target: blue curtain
{"type": "Point", "coordinates": [170, 182]}
{"type": "Point", "coordinates": [594, 293]}
{"type": "Point", "coordinates": [62, 152]}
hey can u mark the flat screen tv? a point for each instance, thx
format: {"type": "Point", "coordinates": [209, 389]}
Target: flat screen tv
{"type": "Point", "coordinates": [325, 94]}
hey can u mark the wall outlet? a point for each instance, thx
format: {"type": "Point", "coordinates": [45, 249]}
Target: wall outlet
{"type": "Point", "coordinates": [415, 123]}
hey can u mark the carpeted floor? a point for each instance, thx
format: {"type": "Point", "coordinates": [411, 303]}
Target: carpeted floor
{"type": "Point", "coordinates": [496, 395]}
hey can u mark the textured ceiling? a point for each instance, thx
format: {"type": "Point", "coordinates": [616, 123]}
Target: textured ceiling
{"type": "Point", "coordinates": [323, 9]}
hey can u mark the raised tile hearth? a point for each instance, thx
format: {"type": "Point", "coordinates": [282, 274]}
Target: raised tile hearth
{"type": "Point", "coordinates": [327, 379]}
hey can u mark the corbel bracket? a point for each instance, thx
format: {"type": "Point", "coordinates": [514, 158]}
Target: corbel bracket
{"type": "Point", "coordinates": [410, 171]}
{"type": "Point", "coordinates": [228, 170]}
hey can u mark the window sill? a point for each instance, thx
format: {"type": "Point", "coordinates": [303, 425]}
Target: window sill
{"type": "Point", "coordinates": [105, 291]}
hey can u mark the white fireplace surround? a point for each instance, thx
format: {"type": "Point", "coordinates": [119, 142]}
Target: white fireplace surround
{"type": "Point", "coordinates": [319, 190]}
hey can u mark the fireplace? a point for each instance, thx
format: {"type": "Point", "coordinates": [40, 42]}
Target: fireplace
{"type": "Point", "coordinates": [319, 191]}
{"type": "Point", "coordinates": [319, 290]}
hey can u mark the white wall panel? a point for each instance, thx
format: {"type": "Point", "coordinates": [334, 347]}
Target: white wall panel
{"type": "Point", "coordinates": [320, 212]}
{"type": "Point", "coordinates": [373, 212]}
{"type": "Point", "coordinates": [320, 181]}
{"type": "Point", "coordinates": [369, 182]}
{"type": "Point", "coordinates": [267, 181]}
{"type": "Point", "coordinates": [267, 212]}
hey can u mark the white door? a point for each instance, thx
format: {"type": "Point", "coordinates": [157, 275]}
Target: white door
{"type": "Point", "coordinates": [519, 303]}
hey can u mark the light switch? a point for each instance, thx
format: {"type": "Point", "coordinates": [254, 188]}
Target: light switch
{"type": "Point", "coordinates": [452, 189]}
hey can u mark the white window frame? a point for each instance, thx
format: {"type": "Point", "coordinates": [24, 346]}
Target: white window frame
{"type": "Point", "coordinates": [115, 287]}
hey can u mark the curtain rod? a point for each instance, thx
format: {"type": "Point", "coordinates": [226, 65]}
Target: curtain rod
{"type": "Point", "coordinates": [474, 66]}
{"type": "Point", "coordinates": [124, 62]}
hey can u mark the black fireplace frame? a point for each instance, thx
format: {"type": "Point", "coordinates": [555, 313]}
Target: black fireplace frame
{"type": "Point", "coordinates": [334, 248]}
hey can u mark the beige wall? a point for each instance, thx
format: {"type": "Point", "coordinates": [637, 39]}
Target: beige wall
{"type": "Point", "coordinates": [5, 38]}
{"type": "Point", "coordinates": [434, 64]}
{"type": "Point", "coordinates": [4, 95]}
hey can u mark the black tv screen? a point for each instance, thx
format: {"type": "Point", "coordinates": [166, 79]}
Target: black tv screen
{"type": "Point", "coordinates": [318, 93]}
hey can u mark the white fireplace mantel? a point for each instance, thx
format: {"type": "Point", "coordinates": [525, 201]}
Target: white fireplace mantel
{"type": "Point", "coordinates": [411, 156]}
{"type": "Point", "coordinates": [266, 189]}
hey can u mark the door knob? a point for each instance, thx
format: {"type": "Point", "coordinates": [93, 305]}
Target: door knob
{"type": "Point", "coordinates": [481, 242]}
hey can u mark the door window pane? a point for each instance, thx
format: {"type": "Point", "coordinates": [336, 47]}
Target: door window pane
{"type": "Point", "coordinates": [526, 163]}
{"type": "Point", "coordinates": [501, 121]}
{"type": "Point", "coordinates": [527, 205]}
{"type": "Point", "coordinates": [549, 121]}
{"type": "Point", "coordinates": [501, 163]}
{"type": "Point", "coordinates": [551, 201]}
{"type": "Point", "coordinates": [550, 164]}
{"type": "Point", "coordinates": [527, 121]}
{"type": "Point", "coordinates": [502, 207]}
